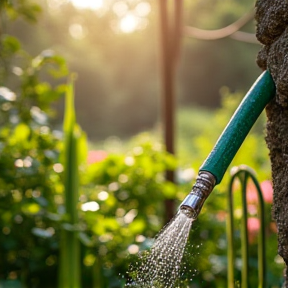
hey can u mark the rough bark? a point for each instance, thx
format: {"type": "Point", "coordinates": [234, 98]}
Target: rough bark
{"type": "Point", "coordinates": [272, 32]}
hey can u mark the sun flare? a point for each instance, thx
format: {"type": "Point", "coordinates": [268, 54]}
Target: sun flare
{"type": "Point", "coordinates": [87, 4]}
{"type": "Point", "coordinates": [128, 19]}
{"type": "Point", "coordinates": [128, 23]}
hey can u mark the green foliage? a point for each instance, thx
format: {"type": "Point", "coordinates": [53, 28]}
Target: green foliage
{"type": "Point", "coordinates": [121, 202]}
{"type": "Point", "coordinates": [20, 8]}
{"type": "Point", "coordinates": [29, 185]}
{"type": "Point", "coordinates": [129, 189]}
{"type": "Point", "coordinates": [29, 154]}
{"type": "Point", "coordinates": [119, 207]}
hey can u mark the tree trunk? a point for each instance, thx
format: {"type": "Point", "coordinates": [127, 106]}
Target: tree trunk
{"type": "Point", "coordinates": [272, 31]}
{"type": "Point", "coordinates": [170, 32]}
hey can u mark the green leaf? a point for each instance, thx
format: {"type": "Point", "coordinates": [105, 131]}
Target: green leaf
{"type": "Point", "coordinates": [137, 226]}
{"type": "Point", "coordinates": [10, 45]}
{"type": "Point", "coordinates": [82, 146]}
{"type": "Point", "coordinates": [56, 65]}
{"type": "Point", "coordinates": [69, 118]}
{"type": "Point", "coordinates": [20, 134]}
{"type": "Point", "coordinates": [169, 190]}
{"type": "Point", "coordinates": [60, 68]}
{"type": "Point", "coordinates": [29, 12]}
{"type": "Point", "coordinates": [31, 208]}
{"type": "Point", "coordinates": [111, 224]}
{"type": "Point", "coordinates": [69, 272]}
{"type": "Point", "coordinates": [99, 228]}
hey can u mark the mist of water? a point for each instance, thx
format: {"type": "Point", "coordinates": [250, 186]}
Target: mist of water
{"type": "Point", "coordinates": [160, 267]}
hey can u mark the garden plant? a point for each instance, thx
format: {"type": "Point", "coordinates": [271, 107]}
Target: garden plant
{"type": "Point", "coordinates": [73, 215]}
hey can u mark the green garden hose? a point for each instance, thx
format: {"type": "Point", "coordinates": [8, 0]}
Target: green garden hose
{"type": "Point", "coordinates": [216, 164]}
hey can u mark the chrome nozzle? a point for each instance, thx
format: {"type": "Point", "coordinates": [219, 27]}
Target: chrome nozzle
{"type": "Point", "coordinates": [192, 204]}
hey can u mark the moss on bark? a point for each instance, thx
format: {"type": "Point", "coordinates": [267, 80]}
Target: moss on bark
{"type": "Point", "coordinates": [272, 32]}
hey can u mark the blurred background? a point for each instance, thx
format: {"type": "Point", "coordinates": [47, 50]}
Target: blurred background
{"type": "Point", "coordinates": [113, 47]}
{"type": "Point", "coordinates": [114, 52]}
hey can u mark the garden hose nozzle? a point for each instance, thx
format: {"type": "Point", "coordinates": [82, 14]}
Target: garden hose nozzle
{"type": "Point", "coordinates": [193, 203]}
{"type": "Point", "coordinates": [216, 164]}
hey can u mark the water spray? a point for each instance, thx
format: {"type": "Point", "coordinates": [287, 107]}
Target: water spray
{"type": "Point", "coordinates": [217, 162]}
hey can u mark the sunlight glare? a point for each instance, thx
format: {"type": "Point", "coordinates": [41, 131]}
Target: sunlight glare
{"type": "Point", "coordinates": [120, 8]}
{"type": "Point", "coordinates": [77, 31]}
{"type": "Point", "coordinates": [143, 9]}
{"type": "Point", "coordinates": [129, 23]}
{"type": "Point", "coordinates": [87, 4]}
{"type": "Point", "coordinates": [54, 6]}
{"type": "Point", "coordinates": [90, 206]}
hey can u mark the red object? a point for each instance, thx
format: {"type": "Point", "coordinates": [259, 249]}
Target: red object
{"type": "Point", "coordinates": [95, 156]}
{"type": "Point", "coordinates": [253, 226]}
{"type": "Point", "coordinates": [267, 189]}
{"type": "Point", "coordinates": [267, 192]}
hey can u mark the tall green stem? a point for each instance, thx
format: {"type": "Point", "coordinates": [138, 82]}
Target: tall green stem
{"type": "Point", "coordinates": [69, 272]}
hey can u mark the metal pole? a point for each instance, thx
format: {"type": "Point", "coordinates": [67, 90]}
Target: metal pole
{"type": "Point", "coordinates": [169, 45]}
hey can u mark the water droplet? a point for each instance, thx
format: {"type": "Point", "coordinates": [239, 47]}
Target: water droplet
{"type": "Point", "coordinates": [161, 266]}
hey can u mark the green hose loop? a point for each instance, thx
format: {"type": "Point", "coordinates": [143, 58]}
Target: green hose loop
{"type": "Point", "coordinates": [260, 94]}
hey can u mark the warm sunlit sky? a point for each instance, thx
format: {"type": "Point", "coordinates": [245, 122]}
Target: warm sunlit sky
{"type": "Point", "coordinates": [130, 19]}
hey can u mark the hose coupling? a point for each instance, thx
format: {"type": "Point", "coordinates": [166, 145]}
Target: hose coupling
{"type": "Point", "coordinates": [192, 204]}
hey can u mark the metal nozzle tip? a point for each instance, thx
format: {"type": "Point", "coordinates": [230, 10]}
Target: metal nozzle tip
{"type": "Point", "coordinates": [192, 205]}
{"type": "Point", "coordinates": [188, 211]}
